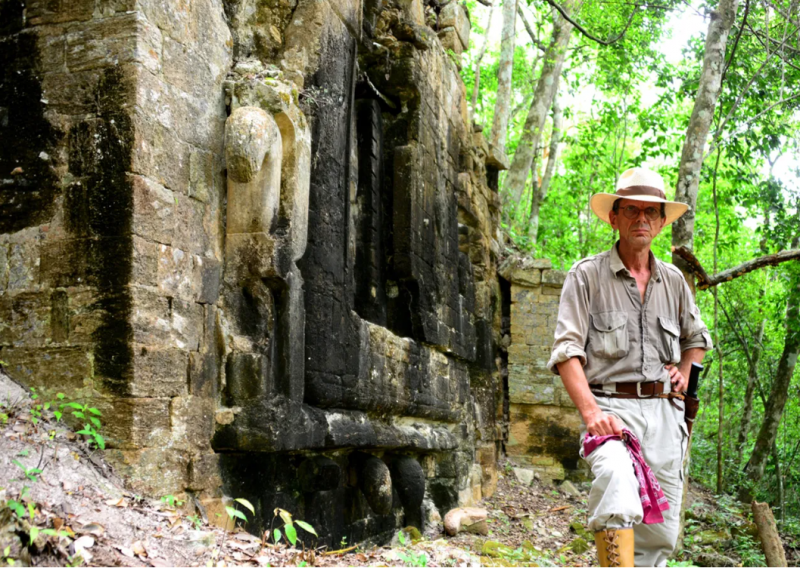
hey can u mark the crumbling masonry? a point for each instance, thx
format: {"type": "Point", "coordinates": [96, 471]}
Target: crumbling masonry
{"type": "Point", "coordinates": [262, 236]}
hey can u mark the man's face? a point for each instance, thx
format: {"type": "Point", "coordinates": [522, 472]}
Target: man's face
{"type": "Point", "coordinates": [640, 231]}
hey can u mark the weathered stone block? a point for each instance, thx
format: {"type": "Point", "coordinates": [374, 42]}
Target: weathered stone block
{"type": "Point", "coordinates": [63, 368]}
{"type": "Point", "coordinates": [246, 378]}
{"type": "Point", "coordinates": [111, 41]}
{"type": "Point", "coordinates": [158, 372]}
{"type": "Point", "coordinates": [531, 393]}
{"type": "Point", "coordinates": [134, 422]}
{"type": "Point", "coordinates": [528, 277]}
{"type": "Point", "coordinates": [451, 41]}
{"type": "Point", "coordinates": [159, 154]}
{"type": "Point", "coordinates": [201, 175]}
{"type": "Point", "coordinates": [553, 277]}
{"type": "Point", "coordinates": [152, 471]}
{"type": "Point", "coordinates": [545, 435]}
{"type": "Point", "coordinates": [204, 473]}
{"type": "Point", "coordinates": [192, 420]}
{"type": "Point", "coordinates": [190, 229]}
{"type": "Point", "coordinates": [455, 15]}
{"type": "Point", "coordinates": [145, 262]}
{"type": "Point", "coordinates": [153, 210]}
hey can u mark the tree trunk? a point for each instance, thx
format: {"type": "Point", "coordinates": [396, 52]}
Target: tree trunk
{"type": "Point", "coordinates": [477, 68]}
{"type": "Point", "coordinates": [720, 384]}
{"type": "Point", "coordinates": [542, 101]}
{"type": "Point", "coordinates": [768, 533]}
{"type": "Point", "coordinates": [538, 195]}
{"type": "Point", "coordinates": [779, 478]}
{"type": "Point", "coordinates": [503, 100]}
{"type": "Point", "coordinates": [699, 124]}
{"type": "Point", "coordinates": [779, 393]}
{"type": "Point", "coordinates": [747, 407]}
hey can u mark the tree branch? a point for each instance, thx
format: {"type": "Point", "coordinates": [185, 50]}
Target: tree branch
{"type": "Point", "coordinates": [736, 43]}
{"type": "Point", "coordinates": [536, 41]}
{"type": "Point", "coordinates": [704, 281]}
{"type": "Point", "coordinates": [587, 34]}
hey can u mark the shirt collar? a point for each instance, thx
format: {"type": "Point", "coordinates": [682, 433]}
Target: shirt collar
{"type": "Point", "coordinates": [616, 264]}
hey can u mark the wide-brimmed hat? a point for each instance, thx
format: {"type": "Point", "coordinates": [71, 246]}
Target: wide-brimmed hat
{"type": "Point", "coordinates": [640, 184]}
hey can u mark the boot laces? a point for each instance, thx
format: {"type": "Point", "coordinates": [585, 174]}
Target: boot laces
{"type": "Point", "coordinates": [611, 540]}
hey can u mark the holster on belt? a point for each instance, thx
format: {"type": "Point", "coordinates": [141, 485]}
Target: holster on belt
{"type": "Point", "coordinates": [691, 406]}
{"type": "Point", "coordinates": [691, 402]}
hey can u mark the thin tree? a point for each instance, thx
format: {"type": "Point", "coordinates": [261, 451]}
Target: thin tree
{"type": "Point", "coordinates": [773, 410]}
{"type": "Point", "coordinates": [705, 104]}
{"type": "Point", "coordinates": [721, 385]}
{"type": "Point", "coordinates": [539, 192]}
{"type": "Point", "coordinates": [477, 66]}
{"type": "Point", "coordinates": [542, 101]}
{"type": "Point", "coordinates": [503, 101]}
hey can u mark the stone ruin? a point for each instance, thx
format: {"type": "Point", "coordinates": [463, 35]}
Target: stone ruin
{"type": "Point", "coordinates": [262, 236]}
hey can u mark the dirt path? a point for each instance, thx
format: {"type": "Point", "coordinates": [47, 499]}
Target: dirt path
{"type": "Point", "coordinates": [61, 504]}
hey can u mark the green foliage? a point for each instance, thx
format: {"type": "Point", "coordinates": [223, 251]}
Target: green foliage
{"type": "Point", "coordinates": [196, 521]}
{"type": "Point", "coordinates": [289, 529]}
{"type": "Point", "coordinates": [409, 556]}
{"type": "Point", "coordinates": [171, 502]}
{"type": "Point", "coordinates": [92, 424]}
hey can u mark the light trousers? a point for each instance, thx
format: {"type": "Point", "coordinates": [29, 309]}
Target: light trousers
{"type": "Point", "coordinates": [614, 500]}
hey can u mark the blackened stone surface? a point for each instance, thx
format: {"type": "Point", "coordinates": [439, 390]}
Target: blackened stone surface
{"type": "Point", "coordinates": [27, 139]}
{"type": "Point", "coordinates": [375, 483]}
{"type": "Point", "coordinates": [319, 473]}
{"type": "Point", "coordinates": [409, 480]}
{"type": "Point", "coordinates": [99, 207]}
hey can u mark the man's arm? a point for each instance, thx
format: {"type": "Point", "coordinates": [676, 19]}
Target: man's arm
{"type": "Point", "coordinates": [597, 422]}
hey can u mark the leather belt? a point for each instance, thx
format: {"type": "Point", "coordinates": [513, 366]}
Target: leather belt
{"type": "Point", "coordinates": [650, 389]}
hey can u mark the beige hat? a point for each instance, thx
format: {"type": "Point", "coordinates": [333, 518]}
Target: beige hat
{"type": "Point", "coordinates": [640, 184]}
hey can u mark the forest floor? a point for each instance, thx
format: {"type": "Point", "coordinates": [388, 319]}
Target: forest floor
{"type": "Point", "coordinates": [62, 505]}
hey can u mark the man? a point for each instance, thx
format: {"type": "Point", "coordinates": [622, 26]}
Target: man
{"type": "Point", "coordinates": [628, 331]}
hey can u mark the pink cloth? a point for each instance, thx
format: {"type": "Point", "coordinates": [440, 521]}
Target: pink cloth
{"type": "Point", "coordinates": [653, 499]}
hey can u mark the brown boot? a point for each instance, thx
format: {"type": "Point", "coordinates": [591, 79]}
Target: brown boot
{"type": "Point", "coordinates": [615, 547]}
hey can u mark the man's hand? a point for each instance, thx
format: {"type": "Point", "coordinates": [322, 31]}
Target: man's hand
{"type": "Point", "coordinates": [677, 378]}
{"type": "Point", "coordinates": [601, 424]}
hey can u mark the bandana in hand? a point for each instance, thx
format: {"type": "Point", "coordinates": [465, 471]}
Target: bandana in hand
{"type": "Point", "coordinates": [653, 499]}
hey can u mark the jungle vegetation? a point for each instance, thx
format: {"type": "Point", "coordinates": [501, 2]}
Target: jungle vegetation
{"type": "Point", "coordinates": [577, 91]}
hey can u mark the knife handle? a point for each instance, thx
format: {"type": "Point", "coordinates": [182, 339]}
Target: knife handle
{"type": "Point", "coordinates": [694, 379]}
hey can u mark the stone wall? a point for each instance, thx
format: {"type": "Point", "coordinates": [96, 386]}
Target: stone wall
{"type": "Point", "coordinates": [544, 425]}
{"type": "Point", "coordinates": [262, 238]}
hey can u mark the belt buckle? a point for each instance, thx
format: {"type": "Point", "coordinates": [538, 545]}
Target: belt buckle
{"type": "Point", "coordinates": [639, 391]}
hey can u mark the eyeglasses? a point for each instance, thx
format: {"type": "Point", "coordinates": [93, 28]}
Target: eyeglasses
{"type": "Point", "coordinates": [632, 212]}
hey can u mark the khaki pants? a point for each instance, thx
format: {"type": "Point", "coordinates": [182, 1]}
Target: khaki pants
{"type": "Point", "coordinates": [614, 499]}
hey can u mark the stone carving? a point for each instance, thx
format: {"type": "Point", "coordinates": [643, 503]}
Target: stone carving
{"type": "Point", "coordinates": [270, 255]}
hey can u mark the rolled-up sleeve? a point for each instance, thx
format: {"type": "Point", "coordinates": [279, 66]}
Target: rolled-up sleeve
{"type": "Point", "coordinates": [573, 322]}
{"type": "Point", "coordinates": [694, 332]}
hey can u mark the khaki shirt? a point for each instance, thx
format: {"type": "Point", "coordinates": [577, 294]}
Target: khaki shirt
{"type": "Point", "coordinates": [602, 321]}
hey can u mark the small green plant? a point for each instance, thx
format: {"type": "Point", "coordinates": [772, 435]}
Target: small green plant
{"type": "Point", "coordinates": [343, 542]}
{"type": "Point", "coordinates": [408, 556]}
{"type": "Point", "coordinates": [7, 560]}
{"type": "Point", "coordinates": [196, 521]}
{"type": "Point", "coordinates": [30, 472]}
{"type": "Point", "coordinates": [171, 501]}
{"type": "Point", "coordinates": [92, 423]}
{"type": "Point", "coordinates": [289, 530]}
{"type": "Point", "coordinates": [234, 513]}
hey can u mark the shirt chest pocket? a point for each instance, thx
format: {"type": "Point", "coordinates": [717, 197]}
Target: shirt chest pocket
{"type": "Point", "coordinates": [670, 345]}
{"type": "Point", "coordinates": [608, 335]}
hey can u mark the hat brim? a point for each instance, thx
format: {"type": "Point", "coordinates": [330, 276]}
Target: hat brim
{"type": "Point", "coordinates": [601, 204]}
